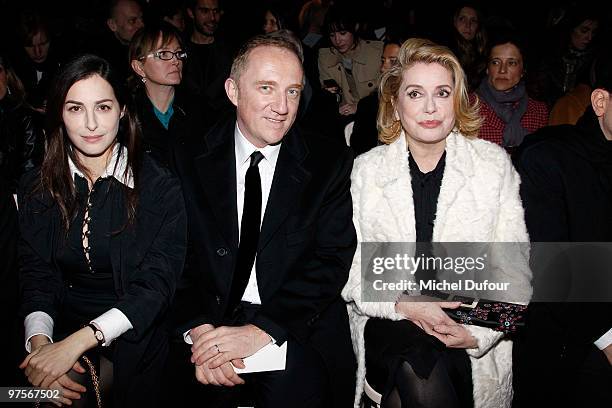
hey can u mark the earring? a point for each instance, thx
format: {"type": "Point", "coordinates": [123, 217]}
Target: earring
{"type": "Point", "coordinates": [144, 80]}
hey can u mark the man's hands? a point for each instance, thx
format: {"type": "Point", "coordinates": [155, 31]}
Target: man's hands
{"type": "Point", "coordinates": [608, 352]}
{"type": "Point", "coordinates": [216, 351]}
{"type": "Point", "coordinates": [224, 344]}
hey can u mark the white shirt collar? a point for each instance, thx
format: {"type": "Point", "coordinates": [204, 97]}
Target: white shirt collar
{"type": "Point", "coordinates": [118, 172]}
{"type": "Point", "coordinates": [244, 149]}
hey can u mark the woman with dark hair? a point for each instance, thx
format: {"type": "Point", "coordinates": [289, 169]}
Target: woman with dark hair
{"type": "Point", "coordinates": [273, 20]}
{"type": "Point", "coordinates": [469, 41]}
{"type": "Point", "coordinates": [508, 113]}
{"type": "Point", "coordinates": [103, 238]}
{"type": "Point", "coordinates": [21, 136]}
{"type": "Point", "coordinates": [349, 68]}
{"type": "Point", "coordinates": [156, 56]}
{"type": "Point", "coordinates": [569, 56]}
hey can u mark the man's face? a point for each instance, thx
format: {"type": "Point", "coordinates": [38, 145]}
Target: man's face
{"type": "Point", "coordinates": [206, 16]}
{"type": "Point", "coordinates": [267, 94]}
{"type": "Point", "coordinates": [126, 20]}
{"type": "Point", "coordinates": [38, 51]}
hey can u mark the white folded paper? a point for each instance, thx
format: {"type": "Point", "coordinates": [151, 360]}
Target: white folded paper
{"type": "Point", "coordinates": [269, 358]}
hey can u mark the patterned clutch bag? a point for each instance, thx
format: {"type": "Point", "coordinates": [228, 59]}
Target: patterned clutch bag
{"type": "Point", "coordinates": [501, 316]}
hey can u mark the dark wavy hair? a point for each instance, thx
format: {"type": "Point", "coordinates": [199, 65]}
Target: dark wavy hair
{"type": "Point", "coordinates": [55, 174]}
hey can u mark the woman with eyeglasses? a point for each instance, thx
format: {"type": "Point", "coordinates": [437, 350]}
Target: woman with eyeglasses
{"type": "Point", "coordinates": [157, 55]}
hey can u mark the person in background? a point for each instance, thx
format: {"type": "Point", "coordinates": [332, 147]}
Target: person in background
{"type": "Point", "coordinates": [209, 60]}
{"type": "Point", "coordinates": [37, 62]}
{"type": "Point", "coordinates": [125, 17]}
{"type": "Point", "coordinates": [365, 134]}
{"type": "Point", "coordinates": [508, 113]}
{"type": "Point", "coordinates": [350, 67]}
{"type": "Point", "coordinates": [564, 356]}
{"type": "Point", "coordinates": [422, 186]}
{"type": "Point", "coordinates": [568, 55]}
{"type": "Point", "coordinates": [157, 55]}
{"type": "Point", "coordinates": [273, 20]}
{"type": "Point", "coordinates": [103, 241]}
{"type": "Point", "coordinates": [172, 12]}
{"type": "Point", "coordinates": [21, 134]}
{"type": "Point", "coordinates": [469, 42]}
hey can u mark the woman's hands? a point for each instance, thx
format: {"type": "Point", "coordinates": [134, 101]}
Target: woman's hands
{"type": "Point", "coordinates": [49, 361]}
{"type": "Point", "coordinates": [430, 317]}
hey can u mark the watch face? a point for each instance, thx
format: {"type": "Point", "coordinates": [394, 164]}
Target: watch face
{"type": "Point", "coordinates": [99, 335]}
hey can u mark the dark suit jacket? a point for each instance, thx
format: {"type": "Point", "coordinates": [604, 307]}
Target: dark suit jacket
{"type": "Point", "coordinates": [566, 188]}
{"type": "Point", "coordinates": [305, 249]}
{"type": "Point", "coordinates": [147, 259]}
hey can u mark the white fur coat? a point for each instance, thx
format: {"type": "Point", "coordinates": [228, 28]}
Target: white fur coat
{"type": "Point", "coordinates": [478, 202]}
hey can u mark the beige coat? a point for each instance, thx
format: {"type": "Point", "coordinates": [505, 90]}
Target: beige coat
{"type": "Point", "coordinates": [479, 202]}
{"type": "Point", "coordinates": [366, 68]}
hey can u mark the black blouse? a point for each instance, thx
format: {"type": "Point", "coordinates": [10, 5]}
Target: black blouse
{"type": "Point", "coordinates": [425, 192]}
{"type": "Point", "coordinates": [89, 283]}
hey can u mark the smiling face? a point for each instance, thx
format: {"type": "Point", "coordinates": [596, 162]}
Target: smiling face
{"type": "Point", "coordinates": [206, 16]}
{"type": "Point", "coordinates": [160, 72]}
{"type": "Point", "coordinates": [505, 68]}
{"type": "Point", "coordinates": [91, 116]}
{"type": "Point", "coordinates": [267, 94]}
{"type": "Point", "coordinates": [466, 22]}
{"type": "Point", "coordinates": [582, 35]}
{"type": "Point", "coordinates": [424, 103]}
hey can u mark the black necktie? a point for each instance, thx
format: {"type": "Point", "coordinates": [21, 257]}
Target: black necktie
{"type": "Point", "coordinates": [249, 231]}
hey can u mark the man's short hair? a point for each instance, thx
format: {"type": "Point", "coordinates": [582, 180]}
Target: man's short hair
{"type": "Point", "coordinates": [241, 59]}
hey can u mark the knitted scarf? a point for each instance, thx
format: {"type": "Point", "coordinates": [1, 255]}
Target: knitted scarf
{"type": "Point", "coordinates": [506, 107]}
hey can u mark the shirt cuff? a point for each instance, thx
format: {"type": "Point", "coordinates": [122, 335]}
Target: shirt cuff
{"type": "Point", "coordinates": [112, 324]}
{"type": "Point", "coordinates": [604, 341]}
{"type": "Point", "coordinates": [187, 337]}
{"type": "Point", "coordinates": [37, 323]}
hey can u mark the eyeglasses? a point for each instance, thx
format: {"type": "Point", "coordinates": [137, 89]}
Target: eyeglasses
{"type": "Point", "coordinates": [167, 55]}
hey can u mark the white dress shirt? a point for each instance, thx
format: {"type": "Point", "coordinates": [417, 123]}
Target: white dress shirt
{"type": "Point", "coordinates": [112, 323]}
{"type": "Point", "coordinates": [243, 151]}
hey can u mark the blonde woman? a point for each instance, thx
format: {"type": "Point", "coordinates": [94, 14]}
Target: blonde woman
{"type": "Point", "coordinates": [432, 181]}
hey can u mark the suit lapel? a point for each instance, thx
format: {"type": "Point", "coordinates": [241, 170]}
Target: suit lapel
{"type": "Point", "coordinates": [216, 171]}
{"type": "Point", "coordinates": [290, 177]}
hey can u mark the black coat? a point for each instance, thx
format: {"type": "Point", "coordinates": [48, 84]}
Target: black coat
{"type": "Point", "coordinates": [157, 140]}
{"type": "Point", "coordinates": [566, 188]}
{"type": "Point", "coordinates": [147, 260]}
{"type": "Point", "coordinates": [305, 249]}
{"type": "Point", "coordinates": [21, 141]}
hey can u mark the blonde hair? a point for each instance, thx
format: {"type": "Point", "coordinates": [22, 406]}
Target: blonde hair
{"type": "Point", "coordinates": [415, 50]}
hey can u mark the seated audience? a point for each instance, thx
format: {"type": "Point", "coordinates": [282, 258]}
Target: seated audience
{"type": "Point", "coordinates": [103, 240]}
{"type": "Point", "coordinates": [424, 185]}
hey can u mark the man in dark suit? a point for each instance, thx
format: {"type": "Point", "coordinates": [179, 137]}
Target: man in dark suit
{"type": "Point", "coordinates": [563, 358]}
{"type": "Point", "coordinates": [272, 241]}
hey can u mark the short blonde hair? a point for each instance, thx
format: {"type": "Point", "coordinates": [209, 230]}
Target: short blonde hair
{"type": "Point", "coordinates": [415, 50]}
